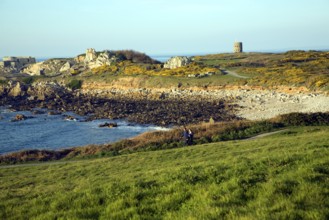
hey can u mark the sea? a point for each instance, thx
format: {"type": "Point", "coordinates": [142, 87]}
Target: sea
{"type": "Point", "coordinates": [54, 132]}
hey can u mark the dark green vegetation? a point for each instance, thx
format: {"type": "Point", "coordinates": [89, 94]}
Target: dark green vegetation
{"type": "Point", "coordinates": [283, 176]}
{"type": "Point", "coordinates": [30, 79]}
{"type": "Point", "coordinates": [74, 84]}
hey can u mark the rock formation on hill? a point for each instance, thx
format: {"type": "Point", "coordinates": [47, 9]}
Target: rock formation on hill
{"type": "Point", "coordinates": [49, 67]}
{"type": "Point", "coordinates": [80, 64]}
{"type": "Point", "coordinates": [92, 59]}
{"type": "Point", "coordinates": [176, 62]}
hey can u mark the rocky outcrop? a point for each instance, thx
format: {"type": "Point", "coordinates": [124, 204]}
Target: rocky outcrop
{"type": "Point", "coordinates": [90, 55]}
{"type": "Point", "coordinates": [80, 64]}
{"type": "Point", "coordinates": [176, 62]}
{"type": "Point", "coordinates": [106, 58]}
{"type": "Point", "coordinates": [20, 117]}
{"type": "Point", "coordinates": [79, 59]}
{"type": "Point", "coordinates": [45, 91]}
{"type": "Point", "coordinates": [34, 69]}
{"type": "Point", "coordinates": [108, 125]}
{"type": "Point", "coordinates": [49, 67]}
{"type": "Point", "coordinates": [65, 67]}
{"type": "Point", "coordinates": [93, 60]}
{"type": "Point", "coordinates": [16, 89]}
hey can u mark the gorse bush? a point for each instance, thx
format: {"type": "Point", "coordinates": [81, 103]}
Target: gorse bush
{"type": "Point", "coordinates": [105, 69]}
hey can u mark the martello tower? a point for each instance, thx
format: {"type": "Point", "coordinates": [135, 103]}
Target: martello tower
{"type": "Point", "coordinates": [237, 48]}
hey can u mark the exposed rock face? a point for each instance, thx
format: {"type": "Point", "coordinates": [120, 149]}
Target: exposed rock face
{"type": "Point", "coordinates": [176, 62]}
{"type": "Point", "coordinates": [17, 89]}
{"type": "Point", "coordinates": [43, 91]}
{"type": "Point", "coordinates": [105, 58]}
{"type": "Point", "coordinates": [92, 59]}
{"type": "Point", "coordinates": [65, 67]}
{"type": "Point", "coordinates": [79, 59]}
{"type": "Point", "coordinates": [90, 55]}
{"type": "Point", "coordinates": [49, 67]}
{"type": "Point", "coordinates": [34, 69]}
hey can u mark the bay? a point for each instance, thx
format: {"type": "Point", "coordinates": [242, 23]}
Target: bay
{"type": "Point", "coordinates": [53, 132]}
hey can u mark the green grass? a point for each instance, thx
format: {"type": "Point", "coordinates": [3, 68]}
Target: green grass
{"type": "Point", "coordinates": [283, 176]}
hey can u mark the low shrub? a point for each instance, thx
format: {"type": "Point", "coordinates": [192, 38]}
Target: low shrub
{"type": "Point", "coordinates": [74, 84]}
{"type": "Point", "coordinates": [29, 80]}
{"type": "Point", "coordinates": [3, 81]}
{"type": "Point", "coordinates": [304, 119]}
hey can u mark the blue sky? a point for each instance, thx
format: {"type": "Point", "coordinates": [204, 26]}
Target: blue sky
{"type": "Point", "coordinates": [46, 28]}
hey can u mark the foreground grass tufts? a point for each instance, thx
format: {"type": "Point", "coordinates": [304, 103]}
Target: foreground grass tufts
{"type": "Point", "coordinates": [284, 176]}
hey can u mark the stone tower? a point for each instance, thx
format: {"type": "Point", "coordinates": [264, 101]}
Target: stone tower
{"type": "Point", "coordinates": [237, 48]}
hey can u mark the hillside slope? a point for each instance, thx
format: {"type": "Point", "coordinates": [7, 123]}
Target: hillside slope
{"type": "Point", "coordinates": [284, 176]}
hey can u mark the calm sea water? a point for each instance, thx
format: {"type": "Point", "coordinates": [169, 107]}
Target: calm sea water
{"type": "Point", "coordinates": [45, 131]}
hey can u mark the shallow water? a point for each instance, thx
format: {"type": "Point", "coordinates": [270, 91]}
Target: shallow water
{"type": "Point", "coordinates": [44, 131]}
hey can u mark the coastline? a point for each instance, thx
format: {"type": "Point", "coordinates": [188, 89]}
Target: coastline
{"type": "Point", "coordinates": [170, 106]}
{"type": "Point", "coordinates": [47, 130]}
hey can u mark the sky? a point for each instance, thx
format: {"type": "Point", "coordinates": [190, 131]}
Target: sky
{"type": "Point", "coordinates": [66, 28]}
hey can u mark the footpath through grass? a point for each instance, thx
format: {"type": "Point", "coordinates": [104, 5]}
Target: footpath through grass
{"type": "Point", "coordinates": [284, 176]}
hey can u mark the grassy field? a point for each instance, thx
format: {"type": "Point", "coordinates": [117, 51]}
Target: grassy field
{"type": "Point", "coordinates": [283, 176]}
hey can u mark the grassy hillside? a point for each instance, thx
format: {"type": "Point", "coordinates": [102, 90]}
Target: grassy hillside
{"type": "Point", "coordinates": [293, 68]}
{"type": "Point", "coordinates": [284, 176]}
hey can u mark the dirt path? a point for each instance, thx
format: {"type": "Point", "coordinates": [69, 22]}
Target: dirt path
{"type": "Point", "coordinates": [232, 73]}
{"type": "Point", "coordinates": [265, 134]}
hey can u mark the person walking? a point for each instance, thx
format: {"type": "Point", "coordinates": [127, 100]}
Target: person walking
{"type": "Point", "coordinates": [186, 136]}
{"type": "Point", "coordinates": [190, 137]}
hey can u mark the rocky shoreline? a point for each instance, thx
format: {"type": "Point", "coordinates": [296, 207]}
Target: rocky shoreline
{"type": "Point", "coordinates": [163, 106]}
{"type": "Point", "coordinates": [164, 111]}
{"type": "Point", "coordinates": [252, 103]}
